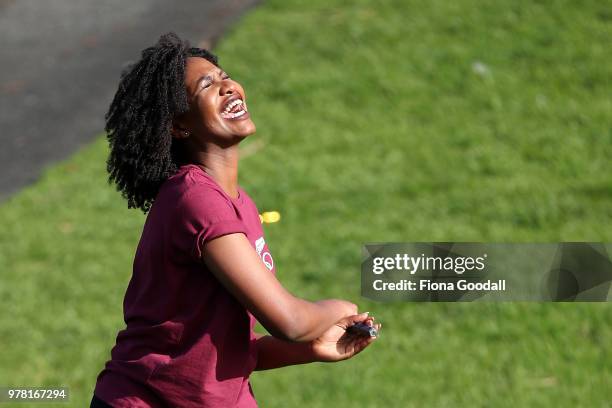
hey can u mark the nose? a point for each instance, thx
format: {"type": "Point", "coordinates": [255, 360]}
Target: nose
{"type": "Point", "coordinates": [228, 88]}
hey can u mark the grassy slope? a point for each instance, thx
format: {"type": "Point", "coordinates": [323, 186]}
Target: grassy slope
{"type": "Point", "coordinates": [404, 121]}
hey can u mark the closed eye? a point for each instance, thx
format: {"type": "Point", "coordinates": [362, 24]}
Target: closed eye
{"type": "Point", "coordinates": [205, 82]}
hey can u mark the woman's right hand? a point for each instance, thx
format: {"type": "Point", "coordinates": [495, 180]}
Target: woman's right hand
{"type": "Point", "coordinates": [338, 344]}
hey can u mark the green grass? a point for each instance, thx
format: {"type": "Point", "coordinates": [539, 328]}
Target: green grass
{"type": "Point", "coordinates": [386, 121]}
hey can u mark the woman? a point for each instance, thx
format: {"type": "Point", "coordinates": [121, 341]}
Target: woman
{"type": "Point", "coordinates": [202, 273]}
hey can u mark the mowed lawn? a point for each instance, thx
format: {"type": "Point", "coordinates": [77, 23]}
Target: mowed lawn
{"type": "Point", "coordinates": [377, 121]}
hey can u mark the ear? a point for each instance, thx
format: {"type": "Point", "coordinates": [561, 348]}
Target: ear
{"type": "Point", "coordinates": [179, 130]}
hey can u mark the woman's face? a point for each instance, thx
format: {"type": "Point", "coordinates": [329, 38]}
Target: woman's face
{"type": "Point", "coordinates": [217, 103]}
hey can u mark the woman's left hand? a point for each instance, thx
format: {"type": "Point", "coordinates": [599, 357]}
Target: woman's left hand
{"type": "Point", "coordinates": [337, 344]}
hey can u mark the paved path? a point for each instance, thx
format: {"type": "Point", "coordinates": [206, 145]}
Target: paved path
{"type": "Point", "coordinates": [61, 61]}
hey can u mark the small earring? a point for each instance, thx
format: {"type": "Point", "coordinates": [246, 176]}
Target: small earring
{"type": "Point", "coordinates": [186, 133]}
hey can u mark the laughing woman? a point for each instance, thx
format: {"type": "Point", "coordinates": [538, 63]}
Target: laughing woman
{"type": "Point", "coordinates": [202, 274]}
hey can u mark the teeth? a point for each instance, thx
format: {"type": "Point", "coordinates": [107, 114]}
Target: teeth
{"type": "Point", "coordinates": [230, 105]}
{"type": "Point", "coordinates": [237, 114]}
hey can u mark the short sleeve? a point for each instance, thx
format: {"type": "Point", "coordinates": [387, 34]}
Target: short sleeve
{"type": "Point", "coordinates": [200, 216]}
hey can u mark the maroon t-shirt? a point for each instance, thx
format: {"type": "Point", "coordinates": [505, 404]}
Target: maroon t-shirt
{"type": "Point", "coordinates": [188, 342]}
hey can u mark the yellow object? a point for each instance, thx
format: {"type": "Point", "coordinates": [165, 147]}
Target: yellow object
{"type": "Point", "coordinates": [269, 217]}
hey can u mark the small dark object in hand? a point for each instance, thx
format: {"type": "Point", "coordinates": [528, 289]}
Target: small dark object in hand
{"type": "Point", "coordinates": [363, 329]}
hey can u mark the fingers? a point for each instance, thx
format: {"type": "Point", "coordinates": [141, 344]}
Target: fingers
{"type": "Point", "coordinates": [351, 320]}
{"type": "Point", "coordinates": [354, 343]}
{"type": "Point", "coordinates": [370, 322]}
{"type": "Point", "coordinates": [361, 344]}
{"type": "Point", "coordinates": [362, 318]}
{"type": "Point", "coordinates": [359, 318]}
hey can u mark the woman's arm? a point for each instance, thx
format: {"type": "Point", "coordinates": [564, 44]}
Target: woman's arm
{"type": "Point", "coordinates": [276, 353]}
{"type": "Point", "coordinates": [237, 266]}
{"type": "Point", "coordinates": [335, 344]}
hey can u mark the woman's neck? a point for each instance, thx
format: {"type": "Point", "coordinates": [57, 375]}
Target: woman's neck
{"type": "Point", "coordinates": [222, 166]}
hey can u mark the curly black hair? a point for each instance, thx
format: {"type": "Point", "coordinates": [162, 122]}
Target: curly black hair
{"type": "Point", "coordinates": [151, 94]}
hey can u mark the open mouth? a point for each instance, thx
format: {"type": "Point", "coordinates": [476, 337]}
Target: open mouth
{"type": "Point", "coordinates": [234, 108]}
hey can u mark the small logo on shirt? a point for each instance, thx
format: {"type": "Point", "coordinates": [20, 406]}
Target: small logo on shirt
{"type": "Point", "coordinates": [267, 260]}
{"type": "Point", "coordinates": [259, 245]}
{"type": "Point", "coordinates": [265, 256]}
